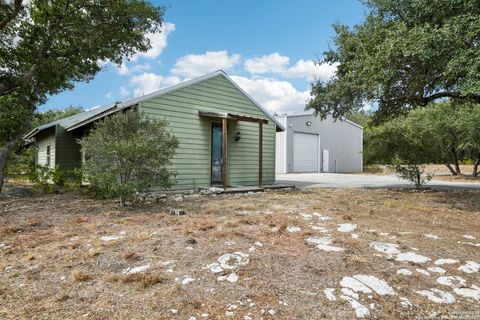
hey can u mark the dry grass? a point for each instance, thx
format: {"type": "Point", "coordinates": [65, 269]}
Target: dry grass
{"type": "Point", "coordinates": [54, 264]}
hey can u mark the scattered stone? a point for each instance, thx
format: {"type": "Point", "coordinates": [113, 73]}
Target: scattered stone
{"type": "Point", "coordinates": [404, 272]}
{"type": "Point", "coordinates": [212, 190]}
{"type": "Point", "coordinates": [111, 238]}
{"type": "Point", "coordinates": [437, 270]}
{"type": "Point", "coordinates": [360, 310]}
{"type": "Point", "coordinates": [452, 281]}
{"type": "Point", "coordinates": [378, 285]}
{"type": "Point", "coordinates": [469, 243]}
{"type": "Point", "coordinates": [229, 261]}
{"type": "Point", "coordinates": [404, 302]}
{"type": "Point", "coordinates": [271, 312]}
{"type": "Point", "coordinates": [232, 278]}
{"type": "Point", "coordinates": [329, 293]}
{"type": "Point", "coordinates": [470, 267]}
{"type": "Point", "coordinates": [346, 227]}
{"type": "Point", "coordinates": [469, 237]}
{"type": "Point", "coordinates": [136, 269]}
{"type": "Point", "coordinates": [323, 244]}
{"type": "Point", "coordinates": [355, 285]}
{"type": "Point", "coordinates": [473, 292]}
{"type": "Point", "coordinates": [174, 311]}
{"type": "Point", "coordinates": [387, 248]}
{"type": "Point", "coordinates": [349, 292]}
{"type": "Point", "coordinates": [355, 236]}
{"type": "Point", "coordinates": [412, 257]}
{"type": "Point", "coordinates": [178, 198]}
{"type": "Point", "coordinates": [186, 280]}
{"type": "Point", "coordinates": [423, 271]}
{"type": "Point", "coordinates": [437, 296]}
{"type": "Point", "coordinates": [440, 262]}
{"type": "Point", "coordinates": [293, 229]}
{"type": "Point", "coordinates": [177, 212]}
{"type": "Point", "coordinates": [431, 236]}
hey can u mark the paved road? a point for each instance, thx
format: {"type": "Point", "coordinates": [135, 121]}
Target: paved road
{"type": "Point", "coordinates": [340, 180]}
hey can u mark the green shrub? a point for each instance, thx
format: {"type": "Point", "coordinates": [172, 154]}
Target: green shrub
{"type": "Point", "coordinates": [126, 153]}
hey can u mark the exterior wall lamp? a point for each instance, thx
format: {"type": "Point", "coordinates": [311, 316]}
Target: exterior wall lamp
{"type": "Point", "coordinates": [237, 136]}
{"type": "Point", "coordinates": [308, 123]}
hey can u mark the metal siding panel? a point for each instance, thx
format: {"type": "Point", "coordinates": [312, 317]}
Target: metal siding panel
{"type": "Point", "coordinates": [343, 140]}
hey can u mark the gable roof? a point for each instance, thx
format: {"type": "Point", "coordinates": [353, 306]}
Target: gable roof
{"type": "Point", "coordinates": [81, 119]}
{"type": "Point", "coordinates": [310, 114]}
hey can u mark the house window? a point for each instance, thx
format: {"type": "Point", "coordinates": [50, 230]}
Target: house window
{"type": "Point", "coordinates": [48, 156]}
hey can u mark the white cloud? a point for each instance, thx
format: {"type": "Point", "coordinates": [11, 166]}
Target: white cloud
{"type": "Point", "coordinates": [124, 69]}
{"type": "Point", "coordinates": [148, 82]}
{"type": "Point", "coordinates": [194, 65]}
{"type": "Point", "coordinates": [123, 92]}
{"type": "Point", "coordinates": [158, 41]}
{"type": "Point", "coordinates": [109, 95]}
{"type": "Point", "coordinates": [309, 70]}
{"type": "Point", "coordinates": [273, 94]}
{"type": "Point", "coordinates": [274, 62]}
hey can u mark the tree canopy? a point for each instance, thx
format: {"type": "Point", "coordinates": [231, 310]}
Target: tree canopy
{"type": "Point", "coordinates": [48, 46]}
{"type": "Point", "coordinates": [406, 54]}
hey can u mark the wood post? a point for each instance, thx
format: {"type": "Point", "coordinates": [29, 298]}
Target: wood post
{"type": "Point", "coordinates": [260, 154]}
{"type": "Point", "coordinates": [224, 153]}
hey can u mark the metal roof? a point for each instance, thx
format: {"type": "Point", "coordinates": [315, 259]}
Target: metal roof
{"type": "Point", "coordinates": [305, 114]}
{"type": "Point", "coordinates": [86, 117]}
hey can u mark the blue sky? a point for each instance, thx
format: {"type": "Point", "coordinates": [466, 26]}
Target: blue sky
{"type": "Point", "coordinates": [267, 47]}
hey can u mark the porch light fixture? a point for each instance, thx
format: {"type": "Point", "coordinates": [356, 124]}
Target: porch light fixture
{"type": "Point", "coordinates": [308, 123]}
{"type": "Point", "coordinates": [237, 136]}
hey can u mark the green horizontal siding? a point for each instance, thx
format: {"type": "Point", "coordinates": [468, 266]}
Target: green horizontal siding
{"type": "Point", "coordinates": [192, 159]}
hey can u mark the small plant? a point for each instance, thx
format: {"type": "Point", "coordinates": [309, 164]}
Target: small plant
{"type": "Point", "coordinates": [81, 276]}
{"type": "Point", "coordinates": [413, 173]}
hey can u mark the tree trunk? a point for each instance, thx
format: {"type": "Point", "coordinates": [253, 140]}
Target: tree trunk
{"type": "Point", "coordinates": [4, 154]}
{"type": "Point", "coordinates": [455, 160]}
{"type": "Point", "coordinates": [452, 171]}
{"type": "Point", "coordinates": [476, 164]}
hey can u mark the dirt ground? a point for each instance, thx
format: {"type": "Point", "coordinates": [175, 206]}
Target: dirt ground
{"type": "Point", "coordinates": [316, 254]}
{"type": "Point", "coordinates": [440, 172]}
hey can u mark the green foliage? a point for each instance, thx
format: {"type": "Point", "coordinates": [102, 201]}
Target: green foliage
{"type": "Point", "coordinates": [126, 153]}
{"type": "Point", "coordinates": [48, 46]}
{"type": "Point", "coordinates": [404, 55]}
{"type": "Point", "coordinates": [446, 133]}
{"type": "Point", "coordinates": [413, 173]}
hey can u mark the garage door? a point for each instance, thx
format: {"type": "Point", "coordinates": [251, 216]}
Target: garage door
{"type": "Point", "coordinates": [305, 152]}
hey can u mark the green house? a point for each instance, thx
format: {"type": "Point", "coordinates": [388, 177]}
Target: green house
{"type": "Point", "coordinates": [226, 138]}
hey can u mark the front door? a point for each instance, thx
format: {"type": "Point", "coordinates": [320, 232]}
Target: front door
{"type": "Point", "coordinates": [216, 154]}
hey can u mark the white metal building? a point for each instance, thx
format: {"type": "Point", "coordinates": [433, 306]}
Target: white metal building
{"type": "Point", "coordinates": [311, 145]}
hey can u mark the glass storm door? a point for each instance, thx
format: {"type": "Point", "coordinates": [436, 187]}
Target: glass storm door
{"type": "Point", "coordinates": [216, 153]}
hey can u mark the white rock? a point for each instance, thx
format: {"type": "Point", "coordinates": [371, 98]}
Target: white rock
{"type": "Point", "coordinates": [355, 236]}
{"type": "Point", "coordinates": [293, 229]}
{"type": "Point", "coordinates": [232, 278]}
{"type": "Point", "coordinates": [355, 285]}
{"type": "Point", "coordinates": [349, 292]}
{"type": "Point", "coordinates": [470, 267]}
{"type": "Point", "coordinates": [388, 248]}
{"type": "Point", "coordinates": [329, 293]}
{"type": "Point", "coordinates": [215, 267]}
{"type": "Point", "coordinates": [174, 311]}
{"type": "Point", "coordinates": [324, 244]}
{"type": "Point", "coordinates": [346, 227]}
{"type": "Point", "coordinates": [186, 280]}
{"type": "Point", "coordinates": [468, 292]}
{"type": "Point", "coordinates": [136, 269]}
{"type": "Point", "coordinates": [404, 272]}
{"type": "Point", "coordinates": [437, 296]}
{"type": "Point", "coordinates": [111, 238]}
{"type": "Point", "coordinates": [469, 237]}
{"type": "Point", "coordinates": [431, 236]}
{"type": "Point", "coordinates": [230, 261]}
{"type": "Point", "coordinates": [258, 244]}
{"type": "Point", "coordinates": [360, 310]}
{"type": "Point", "coordinates": [423, 271]}
{"type": "Point", "coordinates": [437, 270]}
{"type": "Point", "coordinates": [412, 257]}
{"type": "Point", "coordinates": [379, 286]}
{"type": "Point", "coordinates": [404, 302]}
{"type": "Point", "coordinates": [205, 315]}
{"type": "Point", "coordinates": [440, 262]}
{"type": "Point", "coordinates": [452, 281]}
{"type": "Point", "coordinates": [271, 312]}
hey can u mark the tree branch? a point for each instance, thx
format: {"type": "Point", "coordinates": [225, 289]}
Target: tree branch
{"type": "Point", "coordinates": [17, 6]}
